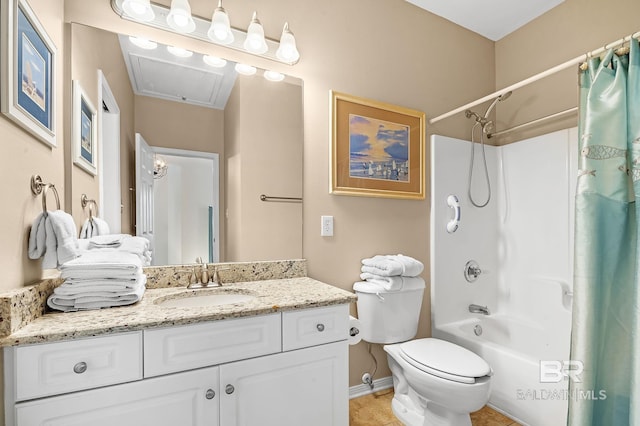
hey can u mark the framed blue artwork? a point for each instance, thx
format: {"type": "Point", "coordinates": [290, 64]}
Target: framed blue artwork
{"type": "Point", "coordinates": [84, 134]}
{"type": "Point", "coordinates": [377, 149]}
{"type": "Point", "coordinates": [28, 67]}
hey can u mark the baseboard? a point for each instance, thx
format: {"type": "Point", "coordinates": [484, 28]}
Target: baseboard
{"type": "Point", "coordinates": [378, 385]}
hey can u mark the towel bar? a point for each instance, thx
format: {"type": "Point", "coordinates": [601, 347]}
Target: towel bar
{"type": "Point", "coordinates": [285, 199]}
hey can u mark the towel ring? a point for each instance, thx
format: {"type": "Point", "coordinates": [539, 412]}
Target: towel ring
{"type": "Point", "coordinates": [44, 196]}
{"type": "Point", "coordinates": [84, 200]}
{"type": "Point", "coordinates": [39, 187]}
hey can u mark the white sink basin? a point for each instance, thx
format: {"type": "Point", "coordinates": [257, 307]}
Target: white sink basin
{"type": "Point", "coordinates": [206, 299]}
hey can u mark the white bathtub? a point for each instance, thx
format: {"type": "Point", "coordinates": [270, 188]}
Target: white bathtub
{"type": "Point", "coordinates": [514, 348]}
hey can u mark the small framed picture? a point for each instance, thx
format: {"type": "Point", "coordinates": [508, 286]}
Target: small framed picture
{"type": "Point", "coordinates": [377, 149]}
{"type": "Point", "coordinates": [28, 71]}
{"type": "Point", "coordinates": [84, 134]}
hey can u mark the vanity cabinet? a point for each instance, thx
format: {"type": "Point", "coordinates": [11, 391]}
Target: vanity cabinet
{"type": "Point", "coordinates": [188, 398]}
{"type": "Point", "coordinates": [280, 369]}
{"type": "Point", "coordinates": [302, 387]}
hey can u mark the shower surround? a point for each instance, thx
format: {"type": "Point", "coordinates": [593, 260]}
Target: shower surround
{"type": "Point", "coordinates": [522, 242]}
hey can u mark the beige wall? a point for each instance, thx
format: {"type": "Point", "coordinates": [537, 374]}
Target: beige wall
{"type": "Point", "coordinates": [566, 32]}
{"type": "Point", "coordinates": [22, 156]}
{"type": "Point", "coordinates": [264, 157]}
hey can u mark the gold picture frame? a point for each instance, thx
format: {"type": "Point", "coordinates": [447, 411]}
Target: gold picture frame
{"type": "Point", "coordinates": [377, 149]}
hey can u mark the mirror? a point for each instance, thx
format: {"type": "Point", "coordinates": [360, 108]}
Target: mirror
{"type": "Point", "coordinates": [252, 124]}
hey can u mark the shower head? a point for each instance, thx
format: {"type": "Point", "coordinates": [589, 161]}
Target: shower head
{"type": "Point", "coordinates": [500, 98]}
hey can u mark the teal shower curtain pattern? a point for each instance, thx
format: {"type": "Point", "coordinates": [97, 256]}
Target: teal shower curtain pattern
{"type": "Point", "coordinates": [605, 330]}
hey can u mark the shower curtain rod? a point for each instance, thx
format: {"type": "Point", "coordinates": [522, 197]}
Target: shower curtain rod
{"type": "Point", "coordinates": [539, 76]}
{"type": "Point", "coordinates": [529, 123]}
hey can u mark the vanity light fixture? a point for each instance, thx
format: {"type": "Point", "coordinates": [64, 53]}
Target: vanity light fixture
{"type": "Point", "coordinates": [179, 17]}
{"type": "Point", "coordinates": [179, 52]}
{"type": "Point", "coordinates": [220, 29]}
{"type": "Point", "coordinates": [143, 43]}
{"type": "Point", "coordinates": [139, 9]}
{"type": "Point", "coordinates": [287, 51]}
{"type": "Point", "coordinates": [255, 42]}
{"type": "Point", "coordinates": [214, 61]}
{"type": "Point", "coordinates": [245, 69]}
{"type": "Point", "coordinates": [273, 75]}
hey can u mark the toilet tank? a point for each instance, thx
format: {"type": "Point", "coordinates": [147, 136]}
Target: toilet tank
{"type": "Point", "coordinates": [389, 316]}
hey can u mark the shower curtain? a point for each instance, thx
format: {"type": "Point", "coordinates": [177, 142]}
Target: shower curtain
{"type": "Point", "coordinates": [606, 328]}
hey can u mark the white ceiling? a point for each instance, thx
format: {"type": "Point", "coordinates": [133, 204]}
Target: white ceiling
{"type": "Point", "coordinates": [492, 19]}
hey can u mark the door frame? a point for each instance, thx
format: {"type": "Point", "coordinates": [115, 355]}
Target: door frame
{"type": "Point", "coordinates": [215, 158]}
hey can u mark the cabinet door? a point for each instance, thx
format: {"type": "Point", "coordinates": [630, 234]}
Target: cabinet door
{"type": "Point", "coordinates": [185, 399]}
{"type": "Point", "coordinates": [304, 387]}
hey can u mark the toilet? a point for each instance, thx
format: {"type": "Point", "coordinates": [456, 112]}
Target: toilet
{"type": "Point", "coordinates": [435, 382]}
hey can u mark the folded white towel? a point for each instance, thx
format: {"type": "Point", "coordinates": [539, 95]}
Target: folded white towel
{"type": "Point", "coordinates": [100, 259]}
{"type": "Point", "coordinates": [53, 237]}
{"type": "Point", "coordinates": [394, 283]}
{"type": "Point", "coordinates": [103, 288]}
{"type": "Point", "coordinates": [70, 304]}
{"type": "Point", "coordinates": [392, 265]}
{"type": "Point", "coordinates": [388, 283]}
{"type": "Point", "coordinates": [107, 241]}
{"type": "Point", "coordinates": [100, 264]}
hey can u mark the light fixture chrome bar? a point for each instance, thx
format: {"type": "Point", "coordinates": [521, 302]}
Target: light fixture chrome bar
{"type": "Point", "coordinates": [532, 122]}
{"type": "Point", "coordinates": [200, 33]}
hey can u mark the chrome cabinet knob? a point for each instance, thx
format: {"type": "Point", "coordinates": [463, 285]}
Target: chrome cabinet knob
{"type": "Point", "coordinates": [210, 394]}
{"type": "Point", "coordinates": [80, 367]}
{"type": "Point", "coordinates": [229, 389]}
{"type": "Point", "coordinates": [320, 327]}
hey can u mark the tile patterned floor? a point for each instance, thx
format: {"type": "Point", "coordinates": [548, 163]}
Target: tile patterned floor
{"type": "Point", "coordinates": [375, 410]}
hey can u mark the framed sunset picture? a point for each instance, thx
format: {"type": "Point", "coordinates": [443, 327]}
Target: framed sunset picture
{"type": "Point", "coordinates": [377, 149]}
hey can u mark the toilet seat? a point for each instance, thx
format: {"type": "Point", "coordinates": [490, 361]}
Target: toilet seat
{"type": "Point", "coordinates": [445, 360]}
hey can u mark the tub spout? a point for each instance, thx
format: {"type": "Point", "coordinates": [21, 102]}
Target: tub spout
{"type": "Point", "coordinates": [477, 309]}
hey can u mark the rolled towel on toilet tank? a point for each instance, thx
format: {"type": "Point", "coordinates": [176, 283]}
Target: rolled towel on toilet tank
{"type": "Point", "coordinates": [392, 265]}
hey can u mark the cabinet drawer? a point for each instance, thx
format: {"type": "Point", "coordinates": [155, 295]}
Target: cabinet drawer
{"type": "Point", "coordinates": [315, 326]}
{"type": "Point", "coordinates": [173, 349]}
{"type": "Point", "coordinates": [55, 368]}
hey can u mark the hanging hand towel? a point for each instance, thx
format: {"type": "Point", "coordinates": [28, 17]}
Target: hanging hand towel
{"type": "Point", "coordinates": [87, 229]}
{"type": "Point", "coordinates": [37, 238]}
{"type": "Point", "coordinates": [53, 237]}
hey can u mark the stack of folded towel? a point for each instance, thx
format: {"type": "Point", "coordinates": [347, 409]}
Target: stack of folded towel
{"type": "Point", "coordinates": [99, 280]}
{"type": "Point", "coordinates": [391, 272]}
{"type": "Point", "coordinates": [119, 242]}
{"type": "Point", "coordinates": [53, 237]}
{"type": "Point", "coordinates": [94, 227]}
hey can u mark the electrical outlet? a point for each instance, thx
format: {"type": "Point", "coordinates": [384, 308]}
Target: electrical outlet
{"type": "Point", "coordinates": [326, 229]}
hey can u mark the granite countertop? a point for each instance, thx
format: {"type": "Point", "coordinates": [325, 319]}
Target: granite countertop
{"type": "Point", "coordinates": [271, 295]}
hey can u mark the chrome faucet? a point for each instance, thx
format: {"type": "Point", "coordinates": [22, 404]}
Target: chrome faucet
{"type": "Point", "coordinates": [477, 309]}
{"type": "Point", "coordinates": [205, 279]}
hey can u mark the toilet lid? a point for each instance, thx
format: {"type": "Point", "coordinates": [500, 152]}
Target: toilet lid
{"type": "Point", "coordinates": [445, 360]}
